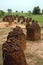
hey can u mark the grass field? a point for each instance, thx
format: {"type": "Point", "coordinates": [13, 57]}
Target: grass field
{"type": "Point", "coordinates": [35, 17]}
{"type": "Point", "coordinates": [32, 59]}
{"type": "Point", "coordinates": [39, 18]}
{"type": "Point", "coordinates": [33, 53]}
{"type": "Point", "coordinates": [3, 33]}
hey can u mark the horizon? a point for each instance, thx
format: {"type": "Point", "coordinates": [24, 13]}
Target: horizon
{"type": "Point", "coordinates": [20, 5]}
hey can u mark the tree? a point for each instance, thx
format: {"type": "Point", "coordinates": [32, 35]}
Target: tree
{"type": "Point", "coordinates": [2, 13]}
{"type": "Point", "coordinates": [21, 11]}
{"type": "Point", "coordinates": [36, 10]}
{"type": "Point", "coordinates": [42, 11]}
{"type": "Point", "coordinates": [9, 11]}
{"type": "Point", "coordinates": [16, 11]}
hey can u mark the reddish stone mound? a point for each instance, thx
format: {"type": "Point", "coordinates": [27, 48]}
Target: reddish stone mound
{"type": "Point", "coordinates": [28, 20]}
{"type": "Point", "coordinates": [13, 53]}
{"type": "Point", "coordinates": [33, 31]}
{"type": "Point", "coordinates": [18, 34]}
{"type": "Point", "coordinates": [8, 18]}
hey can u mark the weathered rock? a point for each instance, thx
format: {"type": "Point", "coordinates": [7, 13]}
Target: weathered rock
{"type": "Point", "coordinates": [18, 34]}
{"type": "Point", "coordinates": [9, 18]}
{"type": "Point", "coordinates": [13, 53]}
{"type": "Point", "coordinates": [28, 20]}
{"type": "Point", "coordinates": [33, 31]}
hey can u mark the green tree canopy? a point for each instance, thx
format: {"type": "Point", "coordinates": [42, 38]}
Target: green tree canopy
{"type": "Point", "coordinates": [16, 11]}
{"type": "Point", "coordinates": [42, 11]}
{"type": "Point", "coordinates": [21, 11]}
{"type": "Point", "coordinates": [36, 10]}
{"type": "Point", "coordinates": [9, 11]}
{"type": "Point", "coordinates": [2, 13]}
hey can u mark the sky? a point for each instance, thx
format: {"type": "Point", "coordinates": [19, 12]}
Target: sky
{"type": "Point", "coordinates": [20, 5]}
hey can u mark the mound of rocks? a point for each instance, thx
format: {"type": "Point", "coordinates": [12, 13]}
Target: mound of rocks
{"type": "Point", "coordinates": [18, 34]}
{"type": "Point", "coordinates": [13, 53]}
{"type": "Point", "coordinates": [8, 18]}
{"type": "Point", "coordinates": [13, 48]}
{"type": "Point", "coordinates": [33, 31]}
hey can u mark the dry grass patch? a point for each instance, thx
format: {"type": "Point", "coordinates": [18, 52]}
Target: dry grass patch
{"type": "Point", "coordinates": [33, 59]}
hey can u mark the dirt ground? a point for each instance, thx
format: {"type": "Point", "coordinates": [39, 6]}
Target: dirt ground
{"type": "Point", "coordinates": [34, 50]}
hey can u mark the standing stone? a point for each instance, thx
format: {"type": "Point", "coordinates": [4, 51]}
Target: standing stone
{"type": "Point", "coordinates": [13, 53]}
{"type": "Point", "coordinates": [18, 34]}
{"type": "Point", "coordinates": [33, 31]}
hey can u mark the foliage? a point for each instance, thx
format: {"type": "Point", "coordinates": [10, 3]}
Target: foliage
{"type": "Point", "coordinates": [16, 11]}
{"type": "Point", "coordinates": [42, 11]}
{"type": "Point", "coordinates": [36, 10]}
{"type": "Point", "coordinates": [2, 13]}
{"type": "Point", "coordinates": [9, 11]}
{"type": "Point", "coordinates": [29, 14]}
{"type": "Point", "coordinates": [21, 11]}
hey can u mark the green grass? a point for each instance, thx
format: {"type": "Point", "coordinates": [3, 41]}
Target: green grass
{"type": "Point", "coordinates": [35, 17]}
{"type": "Point", "coordinates": [39, 18]}
{"type": "Point", "coordinates": [35, 59]}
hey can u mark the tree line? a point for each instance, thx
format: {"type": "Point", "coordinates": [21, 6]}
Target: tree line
{"type": "Point", "coordinates": [36, 10]}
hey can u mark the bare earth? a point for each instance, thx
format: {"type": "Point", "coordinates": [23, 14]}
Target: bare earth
{"type": "Point", "coordinates": [34, 50]}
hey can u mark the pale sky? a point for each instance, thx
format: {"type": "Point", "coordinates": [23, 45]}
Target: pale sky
{"type": "Point", "coordinates": [20, 5]}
